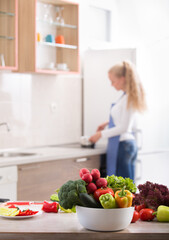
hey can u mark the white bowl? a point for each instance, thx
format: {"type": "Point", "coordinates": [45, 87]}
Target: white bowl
{"type": "Point", "coordinates": [99, 219]}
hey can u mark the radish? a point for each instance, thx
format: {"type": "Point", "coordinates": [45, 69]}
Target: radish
{"type": "Point", "coordinates": [87, 177]}
{"type": "Point", "coordinates": [91, 188]}
{"type": "Point", "coordinates": [83, 171]}
{"type": "Point", "coordinates": [95, 174]}
{"type": "Point", "coordinates": [101, 182]}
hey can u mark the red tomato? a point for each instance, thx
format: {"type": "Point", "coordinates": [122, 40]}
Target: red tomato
{"type": "Point", "coordinates": [102, 191]}
{"type": "Point", "coordinates": [139, 207]}
{"type": "Point", "coordinates": [146, 214]}
{"type": "Point", "coordinates": [136, 216]}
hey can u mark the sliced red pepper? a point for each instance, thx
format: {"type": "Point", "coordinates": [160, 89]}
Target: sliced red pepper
{"type": "Point", "coordinates": [11, 206]}
{"type": "Point", "coordinates": [27, 212]}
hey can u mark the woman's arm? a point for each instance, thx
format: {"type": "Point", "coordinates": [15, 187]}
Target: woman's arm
{"type": "Point", "coordinates": [102, 126]}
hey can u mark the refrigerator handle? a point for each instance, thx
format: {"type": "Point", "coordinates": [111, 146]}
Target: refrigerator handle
{"type": "Point", "coordinates": [139, 162]}
{"type": "Point", "coordinates": [139, 138]}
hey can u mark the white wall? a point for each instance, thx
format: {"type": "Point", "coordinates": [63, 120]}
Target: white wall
{"type": "Point", "coordinates": [26, 102]}
{"type": "Point", "coordinates": [144, 24]}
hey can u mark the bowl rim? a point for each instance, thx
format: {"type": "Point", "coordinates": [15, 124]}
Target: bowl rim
{"type": "Point", "coordinates": [107, 209]}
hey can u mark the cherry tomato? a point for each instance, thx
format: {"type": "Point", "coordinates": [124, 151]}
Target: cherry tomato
{"type": "Point", "coordinates": [139, 207]}
{"type": "Point", "coordinates": [136, 216]}
{"type": "Point", "coordinates": [146, 214]}
{"type": "Point", "coordinates": [102, 191]}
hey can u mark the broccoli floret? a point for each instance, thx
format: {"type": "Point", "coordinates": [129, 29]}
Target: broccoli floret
{"type": "Point", "coordinates": [69, 193]}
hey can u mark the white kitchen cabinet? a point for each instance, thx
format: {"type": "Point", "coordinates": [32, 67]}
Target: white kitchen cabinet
{"type": "Point", "coordinates": [153, 167]}
{"type": "Point", "coordinates": [8, 182]}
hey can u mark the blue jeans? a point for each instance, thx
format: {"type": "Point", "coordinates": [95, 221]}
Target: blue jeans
{"type": "Point", "coordinates": [126, 158]}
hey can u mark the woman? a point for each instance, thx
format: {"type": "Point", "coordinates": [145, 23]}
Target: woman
{"type": "Point", "coordinates": [122, 149]}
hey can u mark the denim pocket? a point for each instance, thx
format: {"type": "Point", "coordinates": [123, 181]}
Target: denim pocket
{"type": "Point", "coordinates": [129, 146]}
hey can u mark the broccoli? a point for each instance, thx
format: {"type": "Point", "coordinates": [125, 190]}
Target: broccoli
{"type": "Point", "coordinates": [69, 193]}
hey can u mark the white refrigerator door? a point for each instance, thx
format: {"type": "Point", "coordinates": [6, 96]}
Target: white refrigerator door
{"type": "Point", "coordinates": [153, 167]}
{"type": "Point", "coordinates": [98, 93]}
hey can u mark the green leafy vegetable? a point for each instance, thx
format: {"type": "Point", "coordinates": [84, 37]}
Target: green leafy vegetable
{"type": "Point", "coordinates": [69, 193]}
{"type": "Point", "coordinates": [54, 197]}
{"type": "Point", "coordinates": [117, 183]}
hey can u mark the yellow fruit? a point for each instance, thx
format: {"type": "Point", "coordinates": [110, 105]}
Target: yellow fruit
{"type": "Point", "coordinates": [5, 211]}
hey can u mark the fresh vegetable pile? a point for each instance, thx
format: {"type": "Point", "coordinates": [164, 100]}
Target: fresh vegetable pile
{"type": "Point", "coordinates": [94, 192]}
{"type": "Point", "coordinates": [151, 201]}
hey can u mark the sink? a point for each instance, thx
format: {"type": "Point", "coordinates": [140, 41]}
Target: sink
{"type": "Point", "coordinates": [15, 154]}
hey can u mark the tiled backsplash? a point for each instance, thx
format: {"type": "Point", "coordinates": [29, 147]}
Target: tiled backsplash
{"type": "Point", "coordinates": [40, 109]}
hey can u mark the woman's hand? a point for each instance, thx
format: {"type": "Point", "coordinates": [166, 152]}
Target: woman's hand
{"type": "Point", "coordinates": [95, 137]}
{"type": "Point", "coordinates": [102, 126]}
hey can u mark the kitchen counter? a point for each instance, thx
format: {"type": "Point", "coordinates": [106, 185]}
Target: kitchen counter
{"type": "Point", "coordinates": [49, 153]}
{"type": "Point", "coordinates": [59, 152]}
{"type": "Point", "coordinates": [66, 226]}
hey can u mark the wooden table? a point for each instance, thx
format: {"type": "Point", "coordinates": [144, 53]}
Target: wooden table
{"type": "Point", "coordinates": [49, 226]}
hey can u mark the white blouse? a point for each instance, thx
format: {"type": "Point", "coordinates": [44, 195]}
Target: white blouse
{"type": "Point", "coordinates": [124, 120]}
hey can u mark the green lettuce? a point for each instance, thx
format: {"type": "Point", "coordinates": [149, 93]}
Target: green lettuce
{"type": "Point", "coordinates": [117, 183]}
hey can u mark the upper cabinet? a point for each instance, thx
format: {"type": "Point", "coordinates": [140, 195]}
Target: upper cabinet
{"type": "Point", "coordinates": [8, 34]}
{"type": "Point", "coordinates": [48, 36]}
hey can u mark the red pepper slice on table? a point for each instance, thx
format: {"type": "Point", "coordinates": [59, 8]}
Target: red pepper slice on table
{"type": "Point", "coordinates": [27, 212]}
{"type": "Point", "coordinates": [50, 207]}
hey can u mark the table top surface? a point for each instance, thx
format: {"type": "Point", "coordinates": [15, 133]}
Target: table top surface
{"type": "Point", "coordinates": [68, 223]}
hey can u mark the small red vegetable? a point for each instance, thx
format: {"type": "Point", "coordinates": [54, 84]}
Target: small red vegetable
{"type": "Point", "coordinates": [101, 182]}
{"type": "Point", "coordinates": [136, 216]}
{"type": "Point", "coordinates": [102, 191]}
{"type": "Point", "coordinates": [146, 214]}
{"type": "Point", "coordinates": [95, 174]}
{"type": "Point", "coordinates": [87, 178]}
{"type": "Point", "coordinates": [11, 206]}
{"type": "Point", "coordinates": [139, 207]}
{"type": "Point", "coordinates": [50, 207]}
{"type": "Point", "coordinates": [83, 171]}
{"type": "Point", "coordinates": [27, 212]}
{"type": "Point", "coordinates": [91, 188]}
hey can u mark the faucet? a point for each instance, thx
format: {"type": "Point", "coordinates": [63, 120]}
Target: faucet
{"type": "Point", "coordinates": [7, 126]}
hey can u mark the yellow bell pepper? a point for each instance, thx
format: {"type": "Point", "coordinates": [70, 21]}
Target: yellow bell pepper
{"type": "Point", "coordinates": [123, 198]}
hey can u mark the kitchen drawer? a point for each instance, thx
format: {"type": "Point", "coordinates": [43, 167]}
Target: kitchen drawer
{"type": "Point", "coordinates": [37, 181]}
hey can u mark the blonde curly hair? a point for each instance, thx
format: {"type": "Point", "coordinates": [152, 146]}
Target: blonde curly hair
{"type": "Point", "coordinates": [133, 86]}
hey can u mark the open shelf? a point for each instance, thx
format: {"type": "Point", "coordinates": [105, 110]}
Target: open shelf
{"type": "Point", "coordinates": [7, 13]}
{"type": "Point", "coordinates": [64, 25]}
{"type": "Point", "coordinates": [41, 20]}
{"type": "Point", "coordinates": [57, 45]}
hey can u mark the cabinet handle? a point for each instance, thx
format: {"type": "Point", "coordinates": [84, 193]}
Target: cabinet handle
{"type": "Point", "coordinates": [78, 160]}
{"type": "Point", "coordinates": [29, 167]}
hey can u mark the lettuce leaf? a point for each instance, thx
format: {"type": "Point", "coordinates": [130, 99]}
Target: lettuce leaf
{"type": "Point", "coordinates": [117, 183]}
